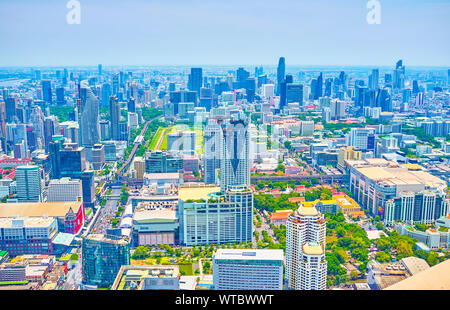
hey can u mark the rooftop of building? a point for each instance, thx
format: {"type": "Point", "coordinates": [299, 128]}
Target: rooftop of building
{"type": "Point", "coordinates": [281, 214]}
{"type": "Point", "coordinates": [143, 214]}
{"type": "Point", "coordinates": [248, 254]}
{"type": "Point", "coordinates": [106, 239]}
{"type": "Point", "coordinates": [63, 239]}
{"type": "Point", "coordinates": [38, 222]}
{"type": "Point", "coordinates": [162, 176]}
{"type": "Point", "coordinates": [307, 210]}
{"type": "Point", "coordinates": [136, 273]}
{"type": "Point", "coordinates": [434, 278]}
{"type": "Point", "coordinates": [414, 265]}
{"type": "Point", "coordinates": [38, 209]}
{"type": "Point", "coordinates": [312, 248]}
{"type": "Point", "coordinates": [195, 193]}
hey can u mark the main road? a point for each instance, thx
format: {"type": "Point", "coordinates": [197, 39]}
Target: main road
{"type": "Point", "coordinates": [137, 143]}
{"type": "Point", "coordinates": [106, 212]}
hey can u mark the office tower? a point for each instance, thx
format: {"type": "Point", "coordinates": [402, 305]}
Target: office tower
{"type": "Point", "coordinates": [337, 109]}
{"type": "Point", "coordinates": [399, 75]}
{"type": "Point", "coordinates": [294, 93]}
{"type": "Point", "coordinates": [410, 208]}
{"type": "Point", "coordinates": [362, 138]}
{"type": "Point", "coordinates": [348, 153]}
{"type": "Point", "coordinates": [37, 75]}
{"type": "Point", "coordinates": [415, 89]}
{"type": "Point", "coordinates": [419, 100]}
{"type": "Point", "coordinates": [268, 90]}
{"type": "Point", "coordinates": [139, 167]}
{"type": "Point", "coordinates": [383, 100]}
{"type": "Point", "coordinates": [72, 160]}
{"type": "Point", "coordinates": [163, 162]}
{"type": "Point", "coordinates": [306, 267]}
{"type": "Point", "coordinates": [131, 105]}
{"type": "Point", "coordinates": [114, 110]}
{"type": "Point", "coordinates": [373, 79]}
{"type": "Point", "coordinates": [55, 159]}
{"type": "Point", "coordinates": [47, 90]}
{"type": "Point", "coordinates": [248, 269]}
{"type": "Point", "coordinates": [195, 81]}
{"type": "Point", "coordinates": [29, 188]}
{"type": "Point", "coordinates": [115, 84]}
{"type": "Point", "coordinates": [290, 92]}
{"type": "Point", "coordinates": [60, 99]}
{"type": "Point", "coordinates": [281, 72]}
{"type": "Point", "coordinates": [222, 218]}
{"type": "Point", "coordinates": [106, 94]}
{"type": "Point", "coordinates": [100, 73]}
{"type": "Point", "coordinates": [211, 148]}
{"type": "Point", "coordinates": [28, 235]}
{"type": "Point", "coordinates": [11, 104]}
{"type": "Point", "coordinates": [50, 125]}
{"type": "Point", "coordinates": [64, 189]}
{"type": "Point", "coordinates": [319, 87]}
{"type": "Point", "coordinates": [206, 98]}
{"type": "Point", "coordinates": [88, 117]}
{"type": "Point", "coordinates": [20, 150]}
{"type": "Point", "coordinates": [406, 96]}
{"type": "Point", "coordinates": [328, 83]}
{"type": "Point", "coordinates": [234, 159]}
{"type": "Point", "coordinates": [133, 121]}
{"type": "Point", "coordinates": [105, 130]}
{"type": "Point", "coordinates": [250, 88]}
{"type": "Point", "coordinates": [103, 255]}
{"type": "Point", "coordinates": [98, 156]}
{"type": "Point", "coordinates": [326, 115]}
{"type": "Point", "coordinates": [88, 188]}
{"type": "Point", "coordinates": [123, 131]}
{"type": "Point", "coordinates": [307, 128]}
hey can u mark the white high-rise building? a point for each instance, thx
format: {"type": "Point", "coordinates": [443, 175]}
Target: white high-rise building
{"type": "Point", "coordinates": [235, 156]}
{"type": "Point", "coordinates": [362, 138]}
{"type": "Point", "coordinates": [212, 137]}
{"type": "Point", "coordinates": [306, 267]}
{"type": "Point", "coordinates": [248, 269]}
{"type": "Point", "coordinates": [64, 189]}
{"type": "Point", "coordinates": [29, 187]}
{"type": "Point", "coordinates": [133, 121]}
{"type": "Point", "coordinates": [268, 90]}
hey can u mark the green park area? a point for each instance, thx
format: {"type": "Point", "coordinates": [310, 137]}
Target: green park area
{"type": "Point", "coordinates": [159, 141]}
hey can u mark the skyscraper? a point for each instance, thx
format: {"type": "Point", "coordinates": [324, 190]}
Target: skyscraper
{"type": "Point", "coordinates": [106, 93]}
{"type": "Point", "coordinates": [88, 117]}
{"type": "Point", "coordinates": [47, 90]}
{"type": "Point", "coordinates": [114, 110]}
{"type": "Point", "coordinates": [374, 78]}
{"type": "Point", "coordinates": [399, 75]}
{"type": "Point", "coordinates": [281, 72]}
{"type": "Point", "coordinates": [10, 109]}
{"type": "Point", "coordinates": [245, 269]}
{"type": "Point", "coordinates": [235, 162]}
{"type": "Point", "coordinates": [103, 255]}
{"type": "Point", "coordinates": [60, 100]}
{"type": "Point", "coordinates": [211, 148]}
{"type": "Point", "coordinates": [29, 184]}
{"type": "Point", "coordinates": [319, 87]}
{"type": "Point", "coordinates": [306, 267]}
{"type": "Point", "coordinates": [195, 81]}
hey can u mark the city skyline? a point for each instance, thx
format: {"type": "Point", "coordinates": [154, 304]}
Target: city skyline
{"type": "Point", "coordinates": [208, 32]}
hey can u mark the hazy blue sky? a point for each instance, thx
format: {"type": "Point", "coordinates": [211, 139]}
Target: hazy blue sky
{"type": "Point", "coordinates": [225, 32]}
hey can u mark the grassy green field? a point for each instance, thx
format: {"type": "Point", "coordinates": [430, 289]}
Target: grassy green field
{"type": "Point", "coordinates": [173, 129]}
{"type": "Point", "coordinates": [156, 138]}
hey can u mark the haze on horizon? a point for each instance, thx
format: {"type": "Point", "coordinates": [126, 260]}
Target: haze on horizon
{"type": "Point", "coordinates": [200, 32]}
